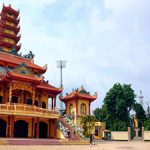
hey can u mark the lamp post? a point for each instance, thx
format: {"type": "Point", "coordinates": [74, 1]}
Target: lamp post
{"type": "Point", "coordinates": [61, 64]}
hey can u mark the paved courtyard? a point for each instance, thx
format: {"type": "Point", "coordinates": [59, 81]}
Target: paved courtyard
{"type": "Point", "coordinates": [137, 145]}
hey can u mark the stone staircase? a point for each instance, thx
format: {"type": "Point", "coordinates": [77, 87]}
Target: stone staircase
{"type": "Point", "coordinates": [74, 137]}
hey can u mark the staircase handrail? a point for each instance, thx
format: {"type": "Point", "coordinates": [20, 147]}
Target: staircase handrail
{"type": "Point", "coordinates": [69, 119]}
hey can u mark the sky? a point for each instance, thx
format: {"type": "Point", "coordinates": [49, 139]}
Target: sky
{"type": "Point", "coordinates": [103, 41]}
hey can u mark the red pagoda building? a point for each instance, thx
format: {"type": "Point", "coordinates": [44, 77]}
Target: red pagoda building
{"type": "Point", "coordinates": [24, 93]}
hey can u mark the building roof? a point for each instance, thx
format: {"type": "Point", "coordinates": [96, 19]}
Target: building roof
{"type": "Point", "coordinates": [79, 94]}
{"type": "Point", "coordinates": [16, 60]}
{"type": "Point", "coordinates": [10, 9]}
{"type": "Point", "coordinates": [46, 86]}
{"type": "Point", "coordinates": [22, 77]}
{"type": "Point", "coordinates": [41, 84]}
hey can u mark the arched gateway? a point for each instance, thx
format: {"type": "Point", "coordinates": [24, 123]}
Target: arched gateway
{"type": "Point", "coordinates": [2, 128]}
{"type": "Point", "coordinates": [43, 129]}
{"type": "Point", "coordinates": [21, 129]}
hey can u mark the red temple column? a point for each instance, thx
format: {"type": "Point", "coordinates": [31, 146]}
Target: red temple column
{"type": "Point", "coordinates": [4, 91]}
{"type": "Point", "coordinates": [33, 97]}
{"type": "Point", "coordinates": [49, 128]}
{"type": "Point", "coordinates": [12, 126]}
{"type": "Point", "coordinates": [54, 102]}
{"type": "Point", "coordinates": [55, 129]}
{"type": "Point", "coordinates": [32, 135]}
{"type": "Point", "coordinates": [8, 127]}
{"type": "Point", "coordinates": [10, 93]}
{"type": "Point", "coordinates": [37, 128]}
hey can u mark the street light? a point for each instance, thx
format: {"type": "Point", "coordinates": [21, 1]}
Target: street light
{"type": "Point", "coordinates": [61, 64]}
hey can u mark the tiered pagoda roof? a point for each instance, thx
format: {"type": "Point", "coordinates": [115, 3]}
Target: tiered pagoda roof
{"type": "Point", "coordinates": [9, 29]}
{"type": "Point", "coordinates": [14, 60]}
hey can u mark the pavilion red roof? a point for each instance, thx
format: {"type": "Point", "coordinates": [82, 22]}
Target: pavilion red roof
{"type": "Point", "coordinates": [10, 58]}
{"type": "Point", "coordinates": [78, 95]}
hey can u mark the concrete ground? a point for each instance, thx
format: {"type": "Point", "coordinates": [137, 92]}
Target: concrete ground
{"type": "Point", "coordinates": [136, 145]}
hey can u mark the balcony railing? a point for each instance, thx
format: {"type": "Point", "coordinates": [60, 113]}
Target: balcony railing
{"type": "Point", "coordinates": [27, 110]}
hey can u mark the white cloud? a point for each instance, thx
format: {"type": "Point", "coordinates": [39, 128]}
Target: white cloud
{"type": "Point", "coordinates": [102, 43]}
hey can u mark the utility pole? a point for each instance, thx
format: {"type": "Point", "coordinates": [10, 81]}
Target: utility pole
{"type": "Point", "coordinates": [61, 64]}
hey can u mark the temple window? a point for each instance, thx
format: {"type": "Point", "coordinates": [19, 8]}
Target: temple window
{"type": "Point", "coordinates": [36, 103]}
{"type": "Point", "coordinates": [70, 109]}
{"type": "Point", "coordinates": [1, 99]}
{"type": "Point", "coordinates": [14, 99]}
{"type": "Point", "coordinates": [9, 40]}
{"type": "Point", "coordinates": [10, 15]}
{"type": "Point", "coordinates": [9, 31]}
{"type": "Point", "coordinates": [83, 109]}
{"type": "Point", "coordinates": [43, 105]}
{"type": "Point", "coordinates": [6, 49]}
{"type": "Point", "coordinates": [29, 101]}
{"type": "Point", "coordinates": [10, 23]}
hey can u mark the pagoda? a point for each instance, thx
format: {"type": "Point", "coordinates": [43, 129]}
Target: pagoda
{"type": "Point", "coordinates": [78, 104]}
{"type": "Point", "coordinates": [24, 94]}
{"type": "Point", "coordinates": [9, 29]}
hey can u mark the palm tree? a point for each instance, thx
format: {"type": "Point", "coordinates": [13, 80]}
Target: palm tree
{"type": "Point", "coordinates": [88, 123]}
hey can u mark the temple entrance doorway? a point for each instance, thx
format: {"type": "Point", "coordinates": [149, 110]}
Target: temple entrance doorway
{"type": "Point", "coordinates": [2, 128]}
{"type": "Point", "coordinates": [1, 99]}
{"type": "Point", "coordinates": [43, 129]}
{"type": "Point", "coordinates": [21, 129]}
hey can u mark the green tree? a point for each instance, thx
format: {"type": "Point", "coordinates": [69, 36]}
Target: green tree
{"type": "Point", "coordinates": [88, 123]}
{"type": "Point", "coordinates": [118, 102]}
{"type": "Point", "coordinates": [148, 113]}
{"type": "Point", "coordinates": [99, 114]}
{"type": "Point", "coordinates": [140, 113]}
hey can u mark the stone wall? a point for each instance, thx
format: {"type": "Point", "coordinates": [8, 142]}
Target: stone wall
{"type": "Point", "coordinates": [119, 135]}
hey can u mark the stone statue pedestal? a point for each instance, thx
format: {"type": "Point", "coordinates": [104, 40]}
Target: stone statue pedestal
{"type": "Point", "coordinates": [136, 134]}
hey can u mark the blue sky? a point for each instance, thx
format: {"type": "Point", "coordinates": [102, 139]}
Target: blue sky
{"type": "Point", "coordinates": [103, 41]}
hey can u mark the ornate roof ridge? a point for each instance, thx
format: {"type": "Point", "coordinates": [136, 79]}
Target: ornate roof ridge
{"type": "Point", "coordinates": [19, 60]}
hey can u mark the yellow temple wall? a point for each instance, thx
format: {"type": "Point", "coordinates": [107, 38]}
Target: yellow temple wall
{"type": "Point", "coordinates": [1, 92]}
{"type": "Point", "coordinates": [52, 128]}
{"type": "Point", "coordinates": [102, 127]}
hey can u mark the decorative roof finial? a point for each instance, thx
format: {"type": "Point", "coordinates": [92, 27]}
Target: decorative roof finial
{"type": "Point", "coordinates": [95, 94]}
{"type": "Point", "coordinates": [82, 87]}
